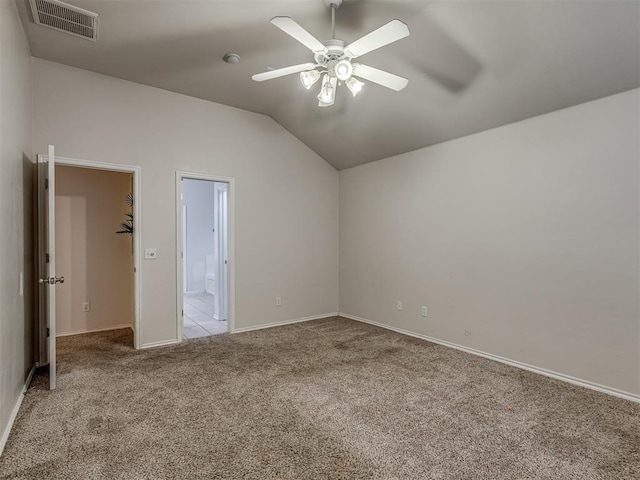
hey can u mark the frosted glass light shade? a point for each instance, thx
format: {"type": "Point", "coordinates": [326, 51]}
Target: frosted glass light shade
{"type": "Point", "coordinates": [343, 69]}
{"type": "Point", "coordinates": [309, 78]}
{"type": "Point", "coordinates": [328, 91]}
{"type": "Point", "coordinates": [354, 85]}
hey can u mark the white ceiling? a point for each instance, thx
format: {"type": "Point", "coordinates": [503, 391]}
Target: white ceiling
{"type": "Point", "coordinates": [471, 65]}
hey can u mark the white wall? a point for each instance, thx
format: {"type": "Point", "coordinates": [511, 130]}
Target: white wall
{"type": "Point", "coordinates": [199, 198]}
{"type": "Point", "coordinates": [97, 263]}
{"type": "Point", "coordinates": [16, 233]}
{"type": "Point", "coordinates": [286, 211]}
{"type": "Point", "coordinates": [525, 235]}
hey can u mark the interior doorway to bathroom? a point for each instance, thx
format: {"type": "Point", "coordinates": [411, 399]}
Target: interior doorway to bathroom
{"type": "Point", "coordinates": [204, 257]}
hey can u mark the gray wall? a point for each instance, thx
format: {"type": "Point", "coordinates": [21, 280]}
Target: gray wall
{"type": "Point", "coordinates": [16, 232]}
{"type": "Point", "coordinates": [286, 205]}
{"type": "Point", "coordinates": [199, 198]}
{"type": "Point", "coordinates": [525, 236]}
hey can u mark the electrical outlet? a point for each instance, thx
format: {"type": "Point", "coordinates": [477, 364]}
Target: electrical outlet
{"type": "Point", "coordinates": [150, 254]}
{"type": "Point", "coordinates": [86, 307]}
{"type": "Point", "coordinates": [278, 302]}
{"type": "Point", "coordinates": [467, 333]}
{"type": "Point", "coordinates": [399, 304]}
{"type": "Point", "coordinates": [424, 311]}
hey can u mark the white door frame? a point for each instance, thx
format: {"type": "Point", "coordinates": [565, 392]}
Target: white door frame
{"type": "Point", "coordinates": [137, 197]}
{"type": "Point", "coordinates": [181, 175]}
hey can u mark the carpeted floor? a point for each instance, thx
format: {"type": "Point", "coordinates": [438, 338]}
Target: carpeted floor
{"type": "Point", "coordinates": [328, 399]}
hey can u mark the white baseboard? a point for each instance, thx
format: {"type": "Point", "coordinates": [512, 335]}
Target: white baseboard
{"type": "Point", "coordinates": [161, 343]}
{"type": "Point", "coordinates": [284, 322]}
{"type": "Point", "coordinates": [14, 412]}
{"type": "Point", "coordinates": [80, 332]}
{"type": "Point", "coordinates": [249, 329]}
{"type": "Point", "coordinates": [514, 363]}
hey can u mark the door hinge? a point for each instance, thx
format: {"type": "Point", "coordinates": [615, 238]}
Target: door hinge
{"type": "Point", "coordinates": [46, 259]}
{"type": "Point", "coordinates": [48, 332]}
{"type": "Point", "coordinates": [46, 183]}
{"type": "Point", "coordinates": [183, 313]}
{"type": "Point", "coordinates": [181, 254]}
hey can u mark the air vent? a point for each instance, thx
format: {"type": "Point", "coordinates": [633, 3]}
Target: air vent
{"type": "Point", "coordinates": [65, 18]}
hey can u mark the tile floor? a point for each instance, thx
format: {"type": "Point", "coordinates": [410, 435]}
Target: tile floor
{"type": "Point", "coordinates": [198, 316]}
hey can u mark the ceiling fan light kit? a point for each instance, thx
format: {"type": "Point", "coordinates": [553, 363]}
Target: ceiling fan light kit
{"type": "Point", "coordinates": [327, 95]}
{"type": "Point", "coordinates": [343, 70]}
{"type": "Point", "coordinates": [354, 85]}
{"type": "Point", "coordinates": [309, 78]}
{"type": "Point", "coordinates": [333, 60]}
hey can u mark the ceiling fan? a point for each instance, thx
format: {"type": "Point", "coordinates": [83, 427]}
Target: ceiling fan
{"type": "Point", "coordinates": [334, 61]}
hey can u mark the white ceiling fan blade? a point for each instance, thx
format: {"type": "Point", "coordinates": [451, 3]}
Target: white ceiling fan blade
{"type": "Point", "coordinates": [386, 34]}
{"type": "Point", "coordinates": [290, 27]}
{"type": "Point", "coordinates": [386, 79]}
{"type": "Point", "coordinates": [281, 72]}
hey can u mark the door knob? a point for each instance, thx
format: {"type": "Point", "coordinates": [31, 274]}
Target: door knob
{"type": "Point", "coordinates": [52, 280]}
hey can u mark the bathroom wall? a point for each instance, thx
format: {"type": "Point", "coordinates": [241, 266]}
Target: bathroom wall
{"type": "Point", "coordinates": [97, 263]}
{"type": "Point", "coordinates": [199, 198]}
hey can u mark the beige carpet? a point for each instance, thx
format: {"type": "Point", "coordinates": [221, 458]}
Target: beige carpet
{"type": "Point", "coordinates": [328, 399]}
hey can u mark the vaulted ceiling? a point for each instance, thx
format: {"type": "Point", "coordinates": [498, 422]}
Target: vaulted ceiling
{"type": "Point", "coordinates": [471, 65]}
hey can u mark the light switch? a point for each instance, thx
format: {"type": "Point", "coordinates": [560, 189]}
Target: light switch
{"type": "Point", "coordinates": [149, 253]}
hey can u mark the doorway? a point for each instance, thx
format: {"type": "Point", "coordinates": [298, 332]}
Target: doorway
{"type": "Point", "coordinates": [94, 249]}
{"type": "Point", "coordinates": [203, 237]}
{"type": "Point", "coordinates": [48, 278]}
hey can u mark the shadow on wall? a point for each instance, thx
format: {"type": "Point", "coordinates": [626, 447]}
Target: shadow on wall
{"type": "Point", "coordinates": [30, 219]}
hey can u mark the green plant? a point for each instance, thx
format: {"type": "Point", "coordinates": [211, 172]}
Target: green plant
{"type": "Point", "coordinates": [127, 225]}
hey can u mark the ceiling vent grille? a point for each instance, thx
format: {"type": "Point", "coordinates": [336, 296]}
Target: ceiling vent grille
{"type": "Point", "coordinates": [65, 18]}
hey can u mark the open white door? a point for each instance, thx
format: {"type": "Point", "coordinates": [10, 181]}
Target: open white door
{"type": "Point", "coordinates": [184, 248]}
{"type": "Point", "coordinates": [47, 264]}
{"type": "Point", "coordinates": [223, 252]}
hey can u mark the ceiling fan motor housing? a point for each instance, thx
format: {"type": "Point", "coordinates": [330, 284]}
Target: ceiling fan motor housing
{"type": "Point", "coordinates": [335, 51]}
{"type": "Point", "coordinates": [334, 54]}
